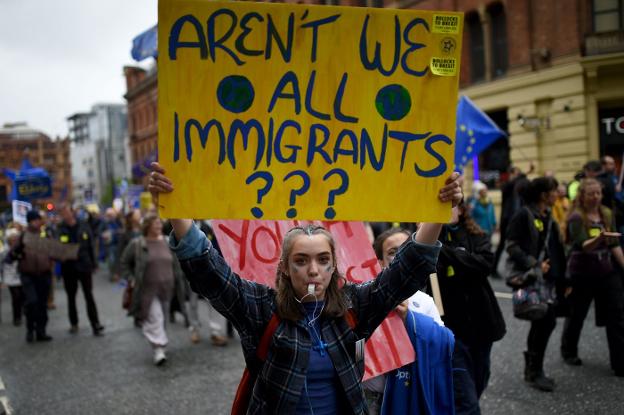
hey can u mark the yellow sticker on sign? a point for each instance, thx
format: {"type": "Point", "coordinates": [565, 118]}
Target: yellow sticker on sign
{"type": "Point", "coordinates": [446, 23]}
{"type": "Point", "coordinates": [444, 66]}
{"type": "Point", "coordinates": [262, 113]}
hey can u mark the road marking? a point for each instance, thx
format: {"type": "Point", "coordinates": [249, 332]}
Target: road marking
{"type": "Point", "coordinates": [507, 296]}
{"type": "Point", "coordinates": [4, 401]}
{"type": "Point", "coordinates": [1, 384]}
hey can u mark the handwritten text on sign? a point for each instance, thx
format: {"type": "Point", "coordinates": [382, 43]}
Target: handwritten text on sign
{"type": "Point", "coordinates": [252, 248]}
{"type": "Point", "coordinates": [306, 112]}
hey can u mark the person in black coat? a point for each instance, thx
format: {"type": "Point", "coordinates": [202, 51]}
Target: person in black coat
{"type": "Point", "coordinates": [72, 230]}
{"type": "Point", "coordinates": [526, 239]}
{"type": "Point", "coordinates": [470, 308]}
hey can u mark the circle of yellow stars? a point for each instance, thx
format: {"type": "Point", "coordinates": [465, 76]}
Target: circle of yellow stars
{"type": "Point", "coordinates": [471, 142]}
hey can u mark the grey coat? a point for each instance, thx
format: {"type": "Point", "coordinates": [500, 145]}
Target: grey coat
{"type": "Point", "coordinates": [133, 264]}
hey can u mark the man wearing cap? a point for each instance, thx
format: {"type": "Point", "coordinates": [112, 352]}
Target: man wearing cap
{"type": "Point", "coordinates": [34, 266]}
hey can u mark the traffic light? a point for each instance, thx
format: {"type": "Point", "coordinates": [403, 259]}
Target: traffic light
{"type": "Point", "coordinates": [50, 207]}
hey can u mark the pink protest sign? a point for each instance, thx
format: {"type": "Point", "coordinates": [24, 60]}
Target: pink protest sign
{"type": "Point", "coordinates": [252, 249]}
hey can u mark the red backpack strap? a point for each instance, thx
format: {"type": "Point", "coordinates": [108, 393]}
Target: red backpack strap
{"type": "Point", "coordinates": [263, 347]}
{"type": "Point", "coordinates": [245, 387]}
{"type": "Point", "coordinates": [351, 318]}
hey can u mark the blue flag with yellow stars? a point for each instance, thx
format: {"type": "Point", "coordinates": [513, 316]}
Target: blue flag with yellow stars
{"type": "Point", "coordinates": [475, 132]}
{"type": "Point", "coordinates": [145, 45]}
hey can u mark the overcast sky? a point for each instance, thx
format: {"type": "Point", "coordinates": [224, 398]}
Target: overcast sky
{"type": "Point", "coordinates": [59, 57]}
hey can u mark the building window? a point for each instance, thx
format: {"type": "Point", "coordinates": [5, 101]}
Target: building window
{"type": "Point", "coordinates": [477, 50]}
{"type": "Point", "coordinates": [499, 39]}
{"type": "Point", "coordinates": [494, 162]}
{"type": "Point", "coordinates": [608, 15]}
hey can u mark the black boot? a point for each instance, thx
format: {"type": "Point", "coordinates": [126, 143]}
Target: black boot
{"type": "Point", "coordinates": [534, 372]}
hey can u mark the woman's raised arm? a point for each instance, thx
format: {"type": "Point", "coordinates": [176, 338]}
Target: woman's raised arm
{"type": "Point", "coordinates": [159, 183]}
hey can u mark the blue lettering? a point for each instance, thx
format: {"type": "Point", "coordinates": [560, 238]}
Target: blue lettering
{"type": "Point", "coordinates": [214, 44]}
{"type": "Point", "coordinates": [308, 99]}
{"type": "Point", "coordinates": [367, 147]}
{"type": "Point", "coordinates": [289, 77]}
{"type": "Point", "coordinates": [278, 142]}
{"type": "Point", "coordinates": [441, 168]}
{"type": "Point", "coordinates": [315, 25]}
{"type": "Point", "coordinates": [413, 47]}
{"type": "Point", "coordinates": [406, 138]}
{"type": "Point", "coordinates": [314, 148]}
{"type": "Point", "coordinates": [174, 37]}
{"type": "Point", "coordinates": [352, 151]}
{"type": "Point", "coordinates": [245, 128]}
{"type": "Point", "coordinates": [240, 40]}
{"type": "Point", "coordinates": [273, 34]}
{"type": "Point", "coordinates": [376, 63]}
{"type": "Point", "coordinates": [203, 132]}
{"type": "Point", "coordinates": [338, 102]}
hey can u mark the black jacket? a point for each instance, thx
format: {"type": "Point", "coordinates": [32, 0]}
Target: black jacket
{"type": "Point", "coordinates": [471, 310]}
{"type": "Point", "coordinates": [81, 234]}
{"type": "Point", "coordinates": [523, 243]}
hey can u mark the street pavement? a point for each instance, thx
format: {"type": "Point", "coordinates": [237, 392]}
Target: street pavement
{"type": "Point", "coordinates": [114, 374]}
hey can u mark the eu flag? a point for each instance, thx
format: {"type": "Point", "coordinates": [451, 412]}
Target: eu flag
{"type": "Point", "coordinates": [145, 45]}
{"type": "Point", "coordinates": [475, 132]}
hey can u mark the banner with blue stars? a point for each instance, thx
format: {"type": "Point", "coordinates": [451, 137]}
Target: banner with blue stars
{"type": "Point", "coordinates": [475, 132]}
{"type": "Point", "coordinates": [145, 45]}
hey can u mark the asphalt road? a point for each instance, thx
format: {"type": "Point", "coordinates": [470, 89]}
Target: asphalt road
{"type": "Point", "coordinates": [114, 374]}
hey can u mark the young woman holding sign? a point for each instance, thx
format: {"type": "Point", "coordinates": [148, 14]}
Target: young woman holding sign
{"type": "Point", "coordinates": [315, 362]}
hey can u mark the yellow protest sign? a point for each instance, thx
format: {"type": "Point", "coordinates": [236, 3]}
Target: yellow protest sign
{"type": "Point", "coordinates": [284, 111]}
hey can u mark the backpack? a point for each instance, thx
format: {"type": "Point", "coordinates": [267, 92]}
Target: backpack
{"type": "Point", "coordinates": [247, 382]}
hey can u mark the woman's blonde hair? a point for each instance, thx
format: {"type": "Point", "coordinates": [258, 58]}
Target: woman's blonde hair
{"type": "Point", "coordinates": [288, 307]}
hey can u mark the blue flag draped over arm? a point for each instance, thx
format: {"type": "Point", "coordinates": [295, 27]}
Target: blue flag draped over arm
{"type": "Point", "coordinates": [475, 132]}
{"type": "Point", "coordinates": [145, 45]}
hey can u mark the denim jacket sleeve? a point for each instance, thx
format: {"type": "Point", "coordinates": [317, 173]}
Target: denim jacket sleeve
{"type": "Point", "coordinates": [407, 273]}
{"type": "Point", "coordinates": [248, 305]}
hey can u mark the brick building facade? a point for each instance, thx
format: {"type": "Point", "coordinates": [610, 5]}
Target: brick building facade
{"type": "Point", "coordinates": [18, 141]}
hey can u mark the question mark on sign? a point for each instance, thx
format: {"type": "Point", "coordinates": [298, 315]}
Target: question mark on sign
{"type": "Point", "coordinates": [268, 178]}
{"type": "Point", "coordinates": [292, 212]}
{"type": "Point", "coordinates": [330, 213]}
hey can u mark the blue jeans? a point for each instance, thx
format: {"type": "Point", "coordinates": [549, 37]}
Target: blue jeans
{"type": "Point", "coordinates": [471, 373]}
{"type": "Point", "coordinates": [36, 289]}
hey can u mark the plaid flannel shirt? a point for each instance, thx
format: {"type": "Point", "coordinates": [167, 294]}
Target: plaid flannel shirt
{"type": "Point", "coordinates": [249, 306]}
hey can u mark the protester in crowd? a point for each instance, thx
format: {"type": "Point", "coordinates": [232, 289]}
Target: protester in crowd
{"type": "Point", "coordinates": [470, 309]}
{"type": "Point", "coordinates": [34, 266]}
{"type": "Point", "coordinates": [131, 230]}
{"type": "Point", "coordinates": [51, 229]}
{"type": "Point", "coordinates": [386, 247]}
{"type": "Point", "coordinates": [110, 237]}
{"type": "Point", "coordinates": [526, 240]}
{"type": "Point", "coordinates": [148, 264]}
{"type": "Point", "coordinates": [216, 322]}
{"type": "Point", "coordinates": [426, 385]}
{"type": "Point", "coordinates": [315, 361]}
{"type": "Point", "coordinates": [72, 230]}
{"type": "Point", "coordinates": [595, 261]}
{"type": "Point", "coordinates": [510, 204]}
{"type": "Point", "coordinates": [561, 208]}
{"type": "Point", "coordinates": [482, 208]}
{"type": "Point", "coordinates": [10, 275]}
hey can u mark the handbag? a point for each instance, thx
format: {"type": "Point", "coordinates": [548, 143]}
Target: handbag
{"type": "Point", "coordinates": [515, 278]}
{"type": "Point", "coordinates": [528, 303]}
{"type": "Point", "coordinates": [126, 299]}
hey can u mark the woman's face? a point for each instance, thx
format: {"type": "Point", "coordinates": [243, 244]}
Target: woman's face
{"type": "Point", "coordinates": [592, 197]}
{"type": "Point", "coordinates": [310, 262]}
{"type": "Point", "coordinates": [390, 247]}
{"type": "Point", "coordinates": [155, 227]}
{"type": "Point", "coordinates": [551, 197]}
